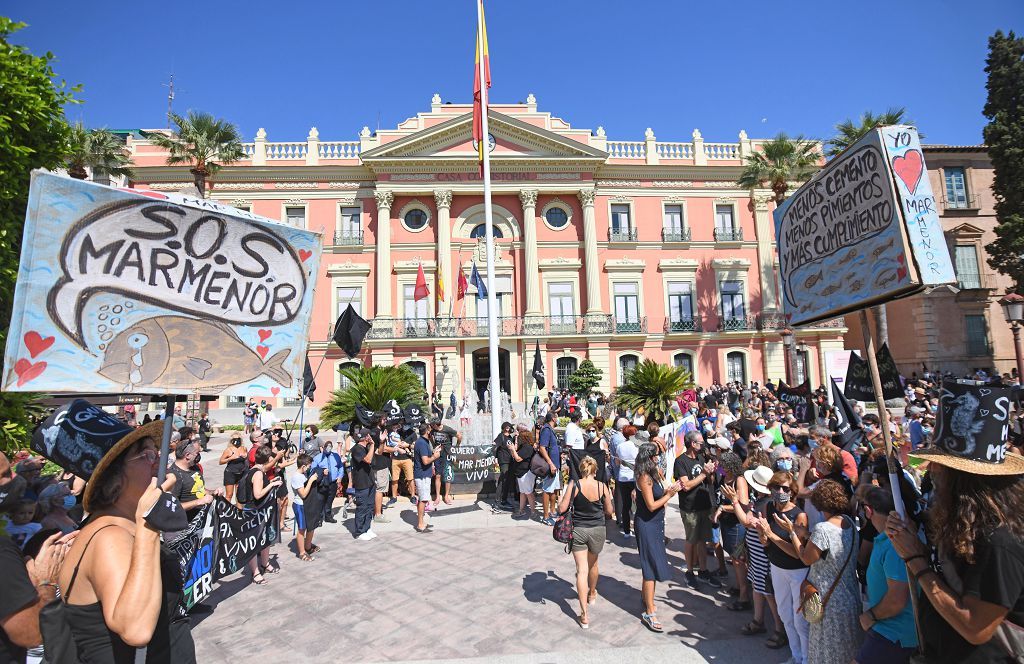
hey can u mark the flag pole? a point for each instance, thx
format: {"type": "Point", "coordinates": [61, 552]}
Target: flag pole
{"type": "Point", "coordinates": [492, 317]}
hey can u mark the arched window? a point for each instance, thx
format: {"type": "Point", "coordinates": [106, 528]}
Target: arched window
{"type": "Point", "coordinates": [343, 381]}
{"type": "Point", "coordinates": [736, 367]}
{"type": "Point", "coordinates": [684, 360]}
{"type": "Point", "coordinates": [480, 230]}
{"type": "Point", "coordinates": [564, 367]}
{"type": "Point", "coordinates": [420, 369]}
{"type": "Point", "coordinates": [626, 365]}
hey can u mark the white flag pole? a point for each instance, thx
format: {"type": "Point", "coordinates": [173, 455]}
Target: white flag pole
{"type": "Point", "coordinates": [492, 300]}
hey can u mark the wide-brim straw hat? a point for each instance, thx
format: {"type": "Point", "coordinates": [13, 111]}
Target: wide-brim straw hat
{"type": "Point", "coordinates": [152, 430]}
{"type": "Point", "coordinates": [758, 478]}
{"type": "Point", "coordinates": [1012, 464]}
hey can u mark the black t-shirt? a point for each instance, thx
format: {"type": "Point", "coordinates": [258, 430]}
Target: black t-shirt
{"type": "Point", "coordinates": [698, 498]}
{"type": "Point", "coordinates": [362, 473]}
{"type": "Point", "coordinates": [445, 437]}
{"type": "Point", "coordinates": [381, 460]}
{"type": "Point", "coordinates": [777, 556]}
{"type": "Point", "coordinates": [18, 593]}
{"type": "Point", "coordinates": [501, 450]}
{"type": "Point", "coordinates": [525, 451]}
{"type": "Point", "coordinates": [996, 577]}
{"type": "Point", "coordinates": [746, 427]}
{"type": "Point", "coordinates": [188, 487]}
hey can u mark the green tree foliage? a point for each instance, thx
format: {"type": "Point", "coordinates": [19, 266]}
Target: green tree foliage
{"type": "Point", "coordinates": [849, 132]}
{"type": "Point", "coordinates": [651, 388]}
{"type": "Point", "coordinates": [585, 379]}
{"type": "Point", "coordinates": [780, 161]}
{"type": "Point", "coordinates": [372, 387]}
{"type": "Point", "coordinates": [33, 134]}
{"type": "Point", "coordinates": [204, 143]}
{"type": "Point", "coordinates": [1004, 136]}
{"type": "Point", "coordinates": [96, 149]}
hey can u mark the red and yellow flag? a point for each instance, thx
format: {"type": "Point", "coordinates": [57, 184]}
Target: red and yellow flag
{"type": "Point", "coordinates": [478, 91]}
{"type": "Point", "coordinates": [440, 287]}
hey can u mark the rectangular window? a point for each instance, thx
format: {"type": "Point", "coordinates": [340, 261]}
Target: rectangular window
{"type": "Point", "coordinates": [564, 367]}
{"type": "Point", "coordinates": [956, 187]}
{"type": "Point", "coordinates": [977, 335]}
{"type": "Point", "coordinates": [732, 300]}
{"type": "Point", "coordinates": [967, 273]}
{"type": "Point", "coordinates": [684, 361]}
{"type": "Point", "coordinates": [295, 216]}
{"type": "Point", "coordinates": [736, 371]}
{"type": "Point", "coordinates": [620, 219]}
{"type": "Point", "coordinates": [350, 295]}
{"type": "Point", "coordinates": [627, 307]}
{"type": "Point", "coordinates": [415, 311]}
{"type": "Point", "coordinates": [482, 310]}
{"type": "Point", "coordinates": [673, 218]}
{"type": "Point", "coordinates": [350, 231]}
{"type": "Point", "coordinates": [236, 402]}
{"type": "Point", "coordinates": [724, 219]}
{"type": "Point", "coordinates": [560, 307]}
{"type": "Point", "coordinates": [680, 306]}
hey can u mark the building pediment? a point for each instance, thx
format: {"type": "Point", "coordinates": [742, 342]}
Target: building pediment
{"type": "Point", "coordinates": [966, 231]}
{"type": "Point", "coordinates": [452, 141]}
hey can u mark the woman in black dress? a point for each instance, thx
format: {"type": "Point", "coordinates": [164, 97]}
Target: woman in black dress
{"type": "Point", "coordinates": [649, 526]}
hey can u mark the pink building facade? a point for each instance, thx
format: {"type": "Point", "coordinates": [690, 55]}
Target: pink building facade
{"type": "Point", "coordinates": [607, 250]}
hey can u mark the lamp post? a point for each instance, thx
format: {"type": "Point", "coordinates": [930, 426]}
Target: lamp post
{"type": "Point", "coordinates": [787, 344]}
{"type": "Point", "coordinates": [1013, 311]}
{"type": "Point", "coordinates": [444, 372]}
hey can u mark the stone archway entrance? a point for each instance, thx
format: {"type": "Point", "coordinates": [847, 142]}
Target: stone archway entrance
{"type": "Point", "coordinates": [482, 373]}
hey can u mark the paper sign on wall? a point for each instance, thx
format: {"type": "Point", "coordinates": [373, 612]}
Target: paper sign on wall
{"type": "Point", "coordinates": [156, 294]}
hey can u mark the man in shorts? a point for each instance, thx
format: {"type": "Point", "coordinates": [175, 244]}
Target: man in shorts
{"type": "Point", "coordinates": [695, 506]}
{"type": "Point", "coordinates": [547, 447]}
{"type": "Point", "coordinates": [423, 472]}
{"type": "Point", "coordinates": [401, 465]}
{"type": "Point", "coordinates": [381, 473]}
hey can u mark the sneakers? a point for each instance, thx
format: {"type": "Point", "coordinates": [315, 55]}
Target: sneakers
{"type": "Point", "coordinates": [373, 535]}
{"type": "Point", "coordinates": [381, 519]}
{"type": "Point", "coordinates": [628, 535]}
{"type": "Point", "coordinates": [711, 580]}
{"type": "Point", "coordinates": [412, 499]}
{"type": "Point", "coordinates": [392, 502]}
{"type": "Point", "coordinates": [365, 537]}
{"type": "Point", "coordinates": [691, 579]}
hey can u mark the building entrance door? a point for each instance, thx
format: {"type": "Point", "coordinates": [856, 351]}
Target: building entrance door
{"type": "Point", "coordinates": [482, 373]}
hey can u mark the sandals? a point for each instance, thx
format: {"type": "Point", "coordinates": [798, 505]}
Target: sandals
{"type": "Point", "coordinates": [313, 549]}
{"type": "Point", "coordinates": [305, 557]}
{"type": "Point", "coordinates": [651, 622]}
{"type": "Point", "coordinates": [584, 621]}
{"type": "Point", "coordinates": [258, 579]}
{"type": "Point", "coordinates": [753, 627]}
{"type": "Point", "coordinates": [779, 640]}
{"type": "Point", "coordinates": [740, 605]}
{"type": "Point", "coordinates": [270, 569]}
{"type": "Point", "coordinates": [592, 597]}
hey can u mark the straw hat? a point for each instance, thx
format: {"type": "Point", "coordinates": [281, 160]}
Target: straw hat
{"type": "Point", "coordinates": [154, 430]}
{"type": "Point", "coordinates": [758, 478]}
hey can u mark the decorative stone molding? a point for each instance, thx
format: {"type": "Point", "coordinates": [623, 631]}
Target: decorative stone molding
{"type": "Point", "coordinates": [618, 183]}
{"type": "Point", "coordinates": [171, 186]}
{"type": "Point", "coordinates": [724, 200]}
{"type": "Point", "coordinates": [672, 184]}
{"type": "Point", "coordinates": [443, 198]}
{"type": "Point", "coordinates": [347, 200]}
{"type": "Point", "coordinates": [730, 263]}
{"type": "Point", "coordinates": [297, 185]}
{"type": "Point", "coordinates": [241, 202]}
{"type": "Point", "coordinates": [624, 265]}
{"type": "Point", "coordinates": [678, 264]}
{"type": "Point", "coordinates": [558, 176]}
{"type": "Point", "coordinates": [561, 263]}
{"type": "Point", "coordinates": [405, 267]}
{"type": "Point", "coordinates": [295, 201]}
{"type": "Point", "coordinates": [384, 198]}
{"type": "Point", "coordinates": [348, 268]}
{"type": "Point", "coordinates": [343, 185]}
{"type": "Point", "coordinates": [620, 199]}
{"type": "Point", "coordinates": [761, 202]}
{"type": "Point", "coordinates": [720, 184]}
{"type": "Point", "coordinates": [586, 197]}
{"type": "Point", "coordinates": [414, 177]}
{"type": "Point", "coordinates": [238, 186]}
{"type": "Point", "coordinates": [674, 198]}
{"type": "Point", "coordinates": [528, 197]}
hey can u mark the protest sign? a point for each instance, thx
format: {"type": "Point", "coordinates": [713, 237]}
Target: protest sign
{"type": "Point", "coordinates": [849, 433]}
{"type": "Point", "coordinates": [799, 399]}
{"type": "Point", "coordinates": [473, 463]}
{"type": "Point", "coordinates": [858, 377]}
{"type": "Point", "coordinates": [837, 362]}
{"type": "Point", "coordinates": [219, 541]}
{"type": "Point", "coordinates": [126, 293]}
{"type": "Point", "coordinates": [972, 417]}
{"type": "Point", "coordinates": [863, 230]}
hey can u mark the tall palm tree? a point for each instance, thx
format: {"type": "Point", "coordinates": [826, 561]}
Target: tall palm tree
{"type": "Point", "coordinates": [372, 387]}
{"type": "Point", "coordinates": [98, 150]}
{"type": "Point", "coordinates": [780, 161]}
{"type": "Point", "coordinates": [651, 388]}
{"type": "Point", "coordinates": [203, 142]}
{"type": "Point", "coordinates": [849, 132]}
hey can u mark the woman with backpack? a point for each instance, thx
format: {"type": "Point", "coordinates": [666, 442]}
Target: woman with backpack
{"type": "Point", "coordinates": [591, 505]}
{"type": "Point", "coordinates": [252, 489]}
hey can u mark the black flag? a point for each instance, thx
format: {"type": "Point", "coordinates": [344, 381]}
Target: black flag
{"type": "Point", "coordinates": [349, 331]}
{"type": "Point", "coordinates": [858, 377]}
{"type": "Point", "coordinates": [538, 368]}
{"type": "Point", "coordinates": [799, 399]}
{"type": "Point", "coordinates": [849, 431]}
{"type": "Point", "coordinates": [308, 383]}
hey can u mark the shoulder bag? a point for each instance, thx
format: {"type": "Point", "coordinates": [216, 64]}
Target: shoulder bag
{"type": "Point", "coordinates": [562, 530]}
{"type": "Point", "coordinates": [538, 466]}
{"type": "Point", "coordinates": [812, 604]}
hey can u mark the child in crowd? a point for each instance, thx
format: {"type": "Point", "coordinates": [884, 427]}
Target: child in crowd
{"type": "Point", "coordinates": [21, 526]}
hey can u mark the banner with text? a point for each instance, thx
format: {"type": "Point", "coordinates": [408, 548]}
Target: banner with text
{"type": "Point", "coordinates": [156, 294]}
{"type": "Point", "coordinates": [858, 377]}
{"type": "Point", "coordinates": [799, 399]}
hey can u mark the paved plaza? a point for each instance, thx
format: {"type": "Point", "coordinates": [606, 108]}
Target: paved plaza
{"type": "Point", "coordinates": [480, 587]}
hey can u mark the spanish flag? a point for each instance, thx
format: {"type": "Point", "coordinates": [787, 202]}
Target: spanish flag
{"type": "Point", "coordinates": [478, 91]}
{"type": "Point", "coordinates": [440, 287]}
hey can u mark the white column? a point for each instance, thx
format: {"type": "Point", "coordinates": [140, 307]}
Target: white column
{"type": "Point", "coordinates": [384, 201]}
{"type": "Point", "coordinates": [593, 270]}
{"type": "Point", "coordinates": [259, 155]}
{"type": "Point", "coordinates": [313, 147]}
{"type": "Point", "coordinates": [528, 197]}
{"type": "Point", "coordinates": [765, 230]}
{"type": "Point", "coordinates": [443, 199]}
{"type": "Point", "coordinates": [699, 158]}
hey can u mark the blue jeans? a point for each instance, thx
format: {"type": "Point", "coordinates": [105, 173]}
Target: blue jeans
{"type": "Point", "coordinates": [364, 511]}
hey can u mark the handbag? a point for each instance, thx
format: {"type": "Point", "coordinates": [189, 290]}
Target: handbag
{"type": "Point", "coordinates": [812, 604]}
{"type": "Point", "coordinates": [562, 530]}
{"type": "Point", "coordinates": [539, 467]}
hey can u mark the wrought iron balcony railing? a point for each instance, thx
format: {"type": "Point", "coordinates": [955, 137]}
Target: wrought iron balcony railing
{"type": "Point", "coordinates": [777, 321]}
{"type": "Point", "coordinates": [728, 234]}
{"type": "Point", "coordinates": [622, 234]}
{"type": "Point", "coordinates": [508, 326]}
{"type": "Point", "coordinates": [968, 280]}
{"type": "Point", "coordinates": [348, 238]}
{"type": "Point", "coordinates": [630, 325]}
{"type": "Point", "coordinates": [675, 234]}
{"type": "Point", "coordinates": [735, 323]}
{"type": "Point", "coordinates": [683, 325]}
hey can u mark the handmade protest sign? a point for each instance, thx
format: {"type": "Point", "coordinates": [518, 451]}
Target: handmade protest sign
{"type": "Point", "coordinates": [125, 293]}
{"type": "Point", "coordinates": [473, 463]}
{"type": "Point", "coordinates": [969, 415]}
{"type": "Point", "coordinates": [863, 230]}
{"type": "Point", "coordinates": [849, 433]}
{"type": "Point", "coordinates": [858, 377]}
{"type": "Point", "coordinates": [799, 399]}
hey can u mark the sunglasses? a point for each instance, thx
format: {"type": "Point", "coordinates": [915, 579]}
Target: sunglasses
{"type": "Point", "coordinates": [776, 487]}
{"type": "Point", "coordinates": [149, 455]}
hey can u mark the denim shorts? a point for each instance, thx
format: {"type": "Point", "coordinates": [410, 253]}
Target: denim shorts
{"type": "Point", "coordinates": [552, 484]}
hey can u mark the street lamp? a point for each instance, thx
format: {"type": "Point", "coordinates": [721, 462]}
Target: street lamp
{"type": "Point", "coordinates": [1013, 311]}
{"type": "Point", "coordinates": [787, 343]}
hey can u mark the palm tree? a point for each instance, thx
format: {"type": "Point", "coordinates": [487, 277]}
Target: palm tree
{"type": "Point", "coordinates": [372, 387]}
{"type": "Point", "coordinates": [651, 388]}
{"type": "Point", "coordinates": [203, 142]}
{"type": "Point", "coordinates": [96, 149]}
{"type": "Point", "coordinates": [780, 161]}
{"type": "Point", "coordinates": [849, 132]}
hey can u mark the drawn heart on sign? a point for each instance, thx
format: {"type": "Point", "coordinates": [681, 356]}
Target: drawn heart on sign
{"type": "Point", "coordinates": [908, 168]}
{"type": "Point", "coordinates": [901, 273]}
{"type": "Point", "coordinates": [264, 335]}
{"type": "Point", "coordinates": [303, 254]}
{"type": "Point", "coordinates": [275, 391]}
{"type": "Point", "coordinates": [26, 370]}
{"type": "Point", "coordinates": [36, 343]}
{"type": "Point", "coordinates": [984, 412]}
{"type": "Point", "coordinates": [789, 316]}
{"type": "Point", "coordinates": [262, 350]}
{"type": "Point", "coordinates": [983, 392]}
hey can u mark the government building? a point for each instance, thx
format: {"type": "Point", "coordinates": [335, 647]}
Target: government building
{"type": "Point", "coordinates": [607, 250]}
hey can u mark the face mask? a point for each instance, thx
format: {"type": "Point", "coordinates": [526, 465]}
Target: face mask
{"type": "Point", "coordinates": [781, 496]}
{"type": "Point", "coordinates": [784, 464]}
{"type": "Point", "coordinates": [813, 444]}
{"type": "Point", "coordinates": [69, 502]}
{"type": "Point", "coordinates": [308, 435]}
{"type": "Point", "coordinates": [760, 427]}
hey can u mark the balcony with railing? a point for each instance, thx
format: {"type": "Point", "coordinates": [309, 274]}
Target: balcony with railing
{"type": "Point", "coordinates": [728, 234]}
{"type": "Point", "coordinates": [636, 325]}
{"type": "Point", "coordinates": [736, 323]}
{"type": "Point", "coordinates": [773, 321]}
{"type": "Point", "coordinates": [622, 234]}
{"type": "Point", "coordinates": [961, 204]}
{"type": "Point", "coordinates": [683, 325]}
{"type": "Point", "coordinates": [675, 234]}
{"type": "Point", "coordinates": [508, 326]}
{"type": "Point", "coordinates": [348, 238]}
{"type": "Point", "coordinates": [968, 280]}
{"type": "Point", "coordinates": [627, 149]}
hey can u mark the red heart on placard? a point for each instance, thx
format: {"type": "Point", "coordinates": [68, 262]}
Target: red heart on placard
{"type": "Point", "coordinates": [264, 334]}
{"type": "Point", "coordinates": [275, 391]}
{"type": "Point", "coordinates": [303, 254]}
{"type": "Point", "coordinates": [26, 371]}
{"type": "Point", "coordinates": [36, 344]}
{"type": "Point", "coordinates": [789, 316]}
{"type": "Point", "coordinates": [909, 167]}
{"type": "Point", "coordinates": [900, 258]}
{"type": "Point", "coordinates": [262, 350]}
{"type": "Point", "coordinates": [901, 273]}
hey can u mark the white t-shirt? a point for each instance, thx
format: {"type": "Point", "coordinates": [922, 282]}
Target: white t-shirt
{"type": "Point", "coordinates": [297, 481]}
{"type": "Point", "coordinates": [267, 420]}
{"type": "Point", "coordinates": [574, 436]}
{"type": "Point", "coordinates": [23, 533]}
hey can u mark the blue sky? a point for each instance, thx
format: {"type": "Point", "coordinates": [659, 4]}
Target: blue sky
{"type": "Point", "coordinates": [721, 66]}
